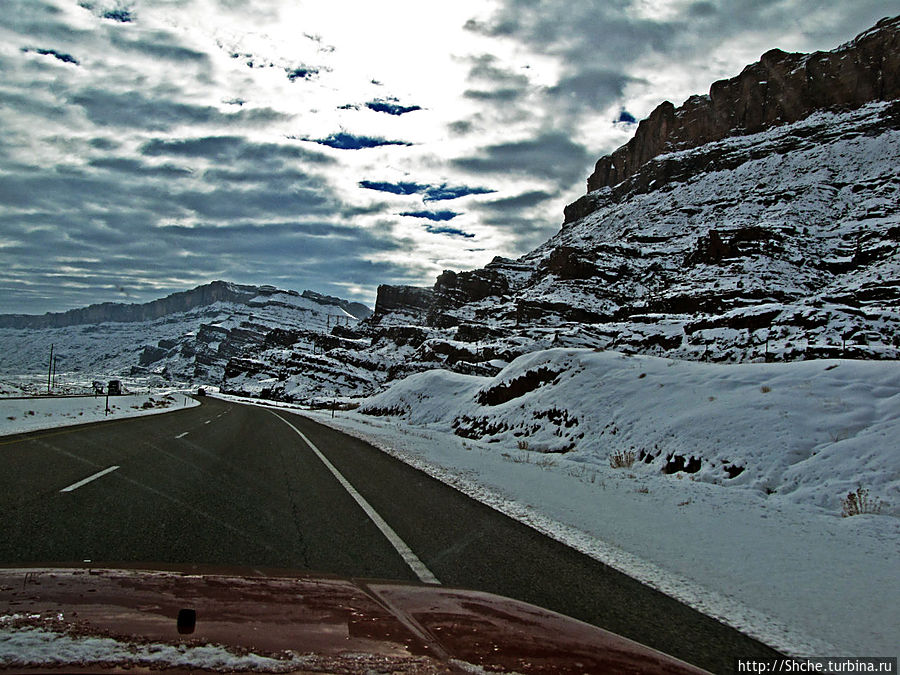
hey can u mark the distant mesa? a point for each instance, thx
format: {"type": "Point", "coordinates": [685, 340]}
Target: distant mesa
{"type": "Point", "coordinates": [201, 296]}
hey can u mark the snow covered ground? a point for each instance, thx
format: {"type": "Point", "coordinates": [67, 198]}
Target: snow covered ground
{"type": "Point", "coordinates": [19, 415]}
{"type": "Point", "coordinates": [766, 551]}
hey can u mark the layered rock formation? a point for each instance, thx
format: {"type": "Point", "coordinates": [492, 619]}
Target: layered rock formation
{"type": "Point", "coordinates": [760, 221]}
{"type": "Point", "coordinates": [217, 291]}
{"type": "Point", "coordinates": [780, 88]}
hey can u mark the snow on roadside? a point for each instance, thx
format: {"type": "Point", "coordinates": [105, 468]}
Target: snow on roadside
{"type": "Point", "coordinates": [766, 551]}
{"type": "Point", "coordinates": [32, 414]}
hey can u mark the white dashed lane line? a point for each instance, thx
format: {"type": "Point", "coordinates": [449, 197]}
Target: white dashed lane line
{"type": "Point", "coordinates": [75, 486]}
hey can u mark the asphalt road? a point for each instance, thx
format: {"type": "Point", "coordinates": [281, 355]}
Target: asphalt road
{"type": "Point", "coordinates": [229, 484]}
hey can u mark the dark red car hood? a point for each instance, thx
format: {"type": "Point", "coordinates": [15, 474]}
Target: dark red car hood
{"type": "Point", "coordinates": [109, 620]}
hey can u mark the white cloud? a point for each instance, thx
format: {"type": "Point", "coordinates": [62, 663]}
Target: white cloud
{"type": "Point", "coordinates": [181, 116]}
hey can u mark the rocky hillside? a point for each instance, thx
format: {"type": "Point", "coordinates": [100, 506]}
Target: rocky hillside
{"type": "Point", "coordinates": [188, 337]}
{"type": "Point", "coordinates": [201, 296]}
{"type": "Point", "coordinates": [779, 89]}
{"type": "Point", "coordinates": [759, 222]}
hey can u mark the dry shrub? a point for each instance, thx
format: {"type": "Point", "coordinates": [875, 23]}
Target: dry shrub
{"type": "Point", "coordinates": [623, 459]}
{"type": "Point", "coordinates": [522, 445]}
{"type": "Point", "coordinates": [765, 389]}
{"type": "Point", "coordinates": [859, 502]}
{"type": "Point", "coordinates": [545, 462]}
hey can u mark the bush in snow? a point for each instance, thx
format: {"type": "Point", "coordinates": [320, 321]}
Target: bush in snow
{"type": "Point", "coordinates": [623, 459]}
{"type": "Point", "coordinates": [856, 503]}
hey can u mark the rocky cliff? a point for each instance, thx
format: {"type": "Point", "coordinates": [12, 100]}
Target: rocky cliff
{"type": "Point", "coordinates": [780, 88]}
{"type": "Point", "coordinates": [761, 221]}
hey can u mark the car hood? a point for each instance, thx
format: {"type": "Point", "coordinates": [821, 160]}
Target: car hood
{"type": "Point", "coordinates": [115, 619]}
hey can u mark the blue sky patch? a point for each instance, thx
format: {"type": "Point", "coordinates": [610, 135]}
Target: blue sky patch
{"type": "Point", "coordinates": [431, 215]}
{"type": "Point", "coordinates": [345, 141]}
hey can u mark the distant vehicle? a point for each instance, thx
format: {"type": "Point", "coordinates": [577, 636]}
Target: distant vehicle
{"type": "Point", "coordinates": [114, 388]}
{"type": "Point", "coordinates": [97, 385]}
{"type": "Point", "coordinates": [201, 392]}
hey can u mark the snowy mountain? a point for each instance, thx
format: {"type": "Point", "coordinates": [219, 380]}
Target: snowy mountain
{"type": "Point", "coordinates": [758, 222]}
{"type": "Point", "coordinates": [188, 336]}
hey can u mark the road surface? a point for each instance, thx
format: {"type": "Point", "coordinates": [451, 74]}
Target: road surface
{"type": "Point", "coordinates": [240, 485]}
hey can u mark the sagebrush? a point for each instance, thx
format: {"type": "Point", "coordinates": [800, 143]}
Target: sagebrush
{"type": "Point", "coordinates": [623, 459]}
{"type": "Point", "coordinates": [859, 502]}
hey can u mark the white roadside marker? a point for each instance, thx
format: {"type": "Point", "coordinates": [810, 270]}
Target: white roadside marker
{"type": "Point", "coordinates": [417, 566]}
{"type": "Point", "coordinates": [75, 486]}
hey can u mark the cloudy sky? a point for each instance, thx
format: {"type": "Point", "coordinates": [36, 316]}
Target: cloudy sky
{"type": "Point", "coordinates": [148, 146]}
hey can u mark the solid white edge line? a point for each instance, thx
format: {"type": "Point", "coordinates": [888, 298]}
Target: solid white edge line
{"type": "Point", "coordinates": [75, 486]}
{"type": "Point", "coordinates": [417, 566]}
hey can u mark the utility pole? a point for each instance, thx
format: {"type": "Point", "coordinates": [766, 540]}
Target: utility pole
{"type": "Point", "coordinates": [50, 370]}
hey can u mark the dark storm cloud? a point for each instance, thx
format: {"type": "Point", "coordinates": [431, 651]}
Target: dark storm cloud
{"type": "Point", "coordinates": [253, 175]}
{"type": "Point", "coordinates": [522, 201]}
{"type": "Point", "coordinates": [581, 30]}
{"type": "Point", "coordinates": [586, 33]}
{"type": "Point", "coordinates": [310, 252]}
{"type": "Point", "coordinates": [227, 203]}
{"type": "Point", "coordinates": [345, 141]}
{"type": "Point", "coordinates": [40, 20]}
{"type": "Point", "coordinates": [128, 165]}
{"type": "Point", "coordinates": [592, 89]}
{"type": "Point", "coordinates": [528, 232]}
{"type": "Point", "coordinates": [496, 95]}
{"type": "Point", "coordinates": [431, 215]}
{"type": "Point", "coordinates": [461, 127]}
{"type": "Point", "coordinates": [156, 45]}
{"type": "Point", "coordinates": [551, 156]}
{"type": "Point", "coordinates": [232, 148]}
{"type": "Point", "coordinates": [487, 68]}
{"type": "Point", "coordinates": [134, 110]}
{"type": "Point", "coordinates": [492, 83]}
{"type": "Point", "coordinates": [31, 105]}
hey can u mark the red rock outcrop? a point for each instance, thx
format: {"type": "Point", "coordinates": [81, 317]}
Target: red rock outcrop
{"type": "Point", "coordinates": [779, 89]}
